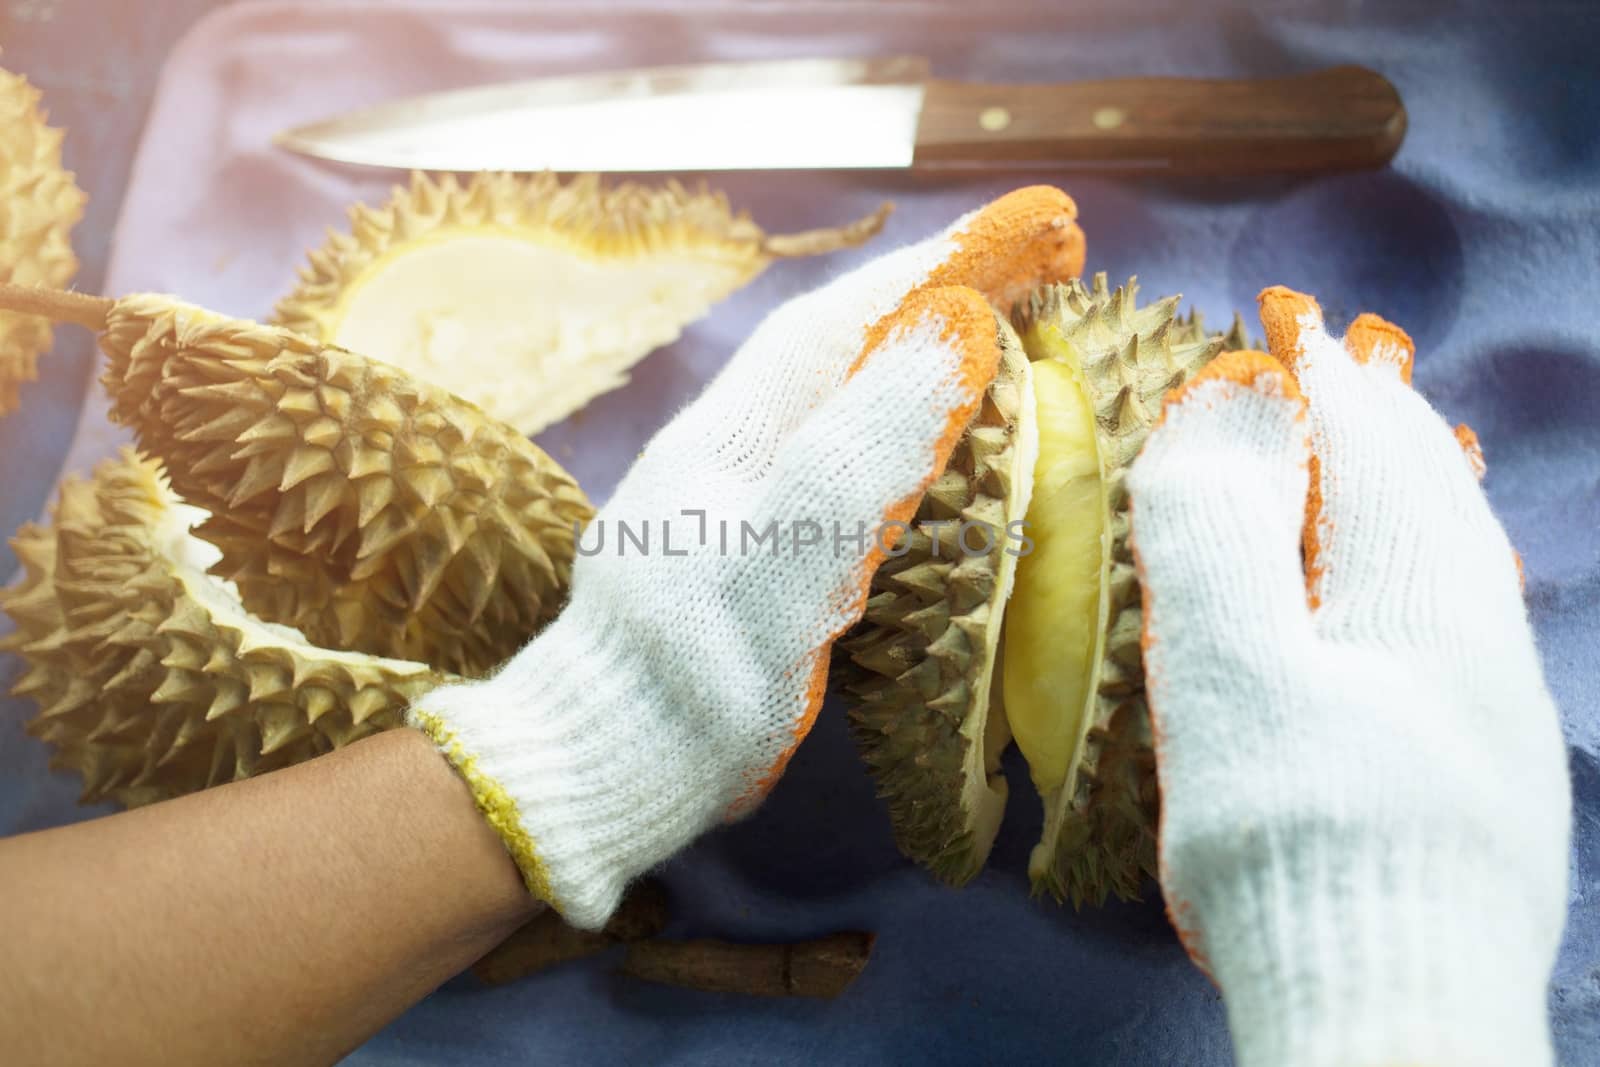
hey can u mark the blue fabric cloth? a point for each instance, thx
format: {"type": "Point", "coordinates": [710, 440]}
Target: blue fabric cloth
{"type": "Point", "coordinates": [1483, 240]}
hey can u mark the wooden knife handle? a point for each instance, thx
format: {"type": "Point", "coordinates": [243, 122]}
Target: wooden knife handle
{"type": "Point", "coordinates": [1336, 119]}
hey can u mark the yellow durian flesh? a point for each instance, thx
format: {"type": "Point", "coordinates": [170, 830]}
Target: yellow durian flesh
{"type": "Point", "coordinates": [39, 204]}
{"type": "Point", "coordinates": [1055, 618]}
{"type": "Point", "coordinates": [1074, 682]}
{"type": "Point", "coordinates": [151, 678]}
{"type": "Point", "coordinates": [529, 296]}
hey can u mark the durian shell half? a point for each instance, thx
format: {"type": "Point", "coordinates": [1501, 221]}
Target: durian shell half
{"type": "Point", "coordinates": [369, 510]}
{"type": "Point", "coordinates": [917, 672]}
{"type": "Point", "coordinates": [1099, 832]}
{"type": "Point", "coordinates": [528, 295]}
{"type": "Point", "coordinates": [40, 202]}
{"type": "Point", "coordinates": [151, 678]}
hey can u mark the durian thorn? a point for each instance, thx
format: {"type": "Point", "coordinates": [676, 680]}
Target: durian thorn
{"type": "Point", "coordinates": [57, 305]}
{"type": "Point", "coordinates": [830, 239]}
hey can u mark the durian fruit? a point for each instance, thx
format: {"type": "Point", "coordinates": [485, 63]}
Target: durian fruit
{"type": "Point", "coordinates": [151, 677]}
{"type": "Point", "coordinates": [529, 296]}
{"type": "Point", "coordinates": [39, 204]}
{"type": "Point", "coordinates": [919, 668]}
{"type": "Point", "coordinates": [370, 510]}
{"type": "Point", "coordinates": [1068, 684]}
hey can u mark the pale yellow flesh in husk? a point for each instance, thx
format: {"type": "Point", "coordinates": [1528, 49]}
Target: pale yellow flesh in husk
{"type": "Point", "coordinates": [529, 294]}
{"type": "Point", "coordinates": [1055, 623]}
{"type": "Point", "coordinates": [515, 314]}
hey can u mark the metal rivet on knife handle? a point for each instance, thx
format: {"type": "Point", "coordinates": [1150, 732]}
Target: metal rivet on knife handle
{"type": "Point", "coordinates": [994, 119]}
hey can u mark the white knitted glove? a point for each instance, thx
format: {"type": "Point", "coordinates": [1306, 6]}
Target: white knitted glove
{"type": "Point", "coordinates": [1366, 812]}
{"type": "Point", "coordinates": [672, 690]}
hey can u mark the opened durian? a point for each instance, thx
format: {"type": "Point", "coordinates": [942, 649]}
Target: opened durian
{"type": "Point", "coordinates": [39, 205]}
{"type": "Point", "coordinates": [527, 296]}
{"type": "Point", "coordinates": [151, 677]}
{"type": "Point", "coordinates": [933, 699]}
{"type": "Point", "coordinates": [368, 509]}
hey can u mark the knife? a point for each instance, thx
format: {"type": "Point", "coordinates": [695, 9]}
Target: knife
{"type": "Point", "coordinates": [872, 113]}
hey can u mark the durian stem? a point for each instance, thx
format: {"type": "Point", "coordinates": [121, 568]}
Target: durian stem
{"type": "Point", "coordinates": [546, 941]}
{"type": "Point", "coordinates": [820, 968]}
{"type": "Point", "coordinates": [57, 305]}
{"type": "Point", "coordinates": [831, 239]}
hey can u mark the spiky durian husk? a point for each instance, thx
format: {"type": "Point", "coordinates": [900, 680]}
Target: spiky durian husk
{"type": "Point", "coordinates": [367, 509]}
{"type": "Point", "coordinates": [39, 205]}
{"type": "Point", "coordinates": [917, 670]}
{"type": "Point", "coordinates": [705, 249]}
{"type": "Point", "coordinates": [1099, 834]}
{"type": "Point", "coordinates": [152, 680]}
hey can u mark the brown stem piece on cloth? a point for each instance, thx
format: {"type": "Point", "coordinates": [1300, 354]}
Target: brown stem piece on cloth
{"type": "Point", "coordinates": [545, 940]}
{"type": "Point", "coordinates": [57, 305]}
{"type": "Point", "coordinates": [824, 967]}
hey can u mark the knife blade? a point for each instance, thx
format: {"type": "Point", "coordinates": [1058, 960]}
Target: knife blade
{"type": "Point", "coordinates": [870, 113]}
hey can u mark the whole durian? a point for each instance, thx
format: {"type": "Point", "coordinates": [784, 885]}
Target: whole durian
{"type": "Point", "coordinates": [1070, 687]}
{"type": "Point", "coordinates": [151, 677]}
{"type": "Point", "coordinates": [39, 205]}
{"type": "Point", "coordinates": [529, 296]}
{"type": "Point", "coordinates": [370, 510]}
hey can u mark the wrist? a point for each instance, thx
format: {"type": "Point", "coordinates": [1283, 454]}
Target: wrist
{"type": "Point", "coordinates": [441, 811]}
{"type": "Point", "coordinates": [574, 758]}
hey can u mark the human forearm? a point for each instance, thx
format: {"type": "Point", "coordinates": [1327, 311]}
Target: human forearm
{"type": "Point", "coordinates": [284, 918]}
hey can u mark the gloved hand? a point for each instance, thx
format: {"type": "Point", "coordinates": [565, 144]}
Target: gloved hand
{"type": "Point", "coordinates": [672, 690]}
{"type": "Point", "coordinates": [1365, 805]}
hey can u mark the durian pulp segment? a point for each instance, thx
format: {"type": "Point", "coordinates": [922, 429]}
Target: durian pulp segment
{"type": "Point", "coordinates": [1100, 819]}
{"type": "Point", "coordinates": [524, 324]}
{"type": "Point", "coordinates": [1055, 622]}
